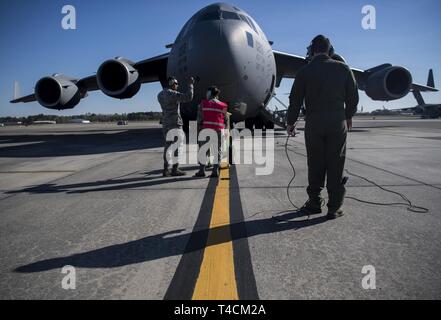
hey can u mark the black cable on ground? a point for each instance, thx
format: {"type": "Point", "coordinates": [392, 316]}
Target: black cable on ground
{"type": "Point", "coordinates": [293, 175]}
{"type": "Point", "coordinates": [410, 207]}
{"type": "Point", "coordinates": [278, 213]}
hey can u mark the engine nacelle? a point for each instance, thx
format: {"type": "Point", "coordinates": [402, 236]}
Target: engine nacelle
{"type": "Point", "coordinates": [118, 79]}
{"type": "Point", "coordinates": [57, 92]}
{"type": "Point", "coordinates": [390, 83]}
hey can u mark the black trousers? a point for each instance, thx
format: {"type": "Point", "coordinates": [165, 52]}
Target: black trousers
{"type": "Point", "coordinates": [215, 149]}
{"type": "Point", "coordinates": [325, 139]}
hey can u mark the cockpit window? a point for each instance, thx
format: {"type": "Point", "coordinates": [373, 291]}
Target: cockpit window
{"type": "Point", "coordinates": [230, 15]}
{"type": "Point", "coordinates": [242, 17]}
{"type": "Point", "coordinates": [252, 25]}
{"type": "Point", "coordinates": [250, 39]}
{"type": "Point", "coordinates": [212, 15]}
{"type": "Point", "coordinates": [248, 21]}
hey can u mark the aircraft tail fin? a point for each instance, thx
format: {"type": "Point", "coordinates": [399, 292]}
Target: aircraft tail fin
{"type": "Point", "coordinates": [430, 80]}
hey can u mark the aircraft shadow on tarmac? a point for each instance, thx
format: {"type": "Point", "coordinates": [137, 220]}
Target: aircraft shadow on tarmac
{"type": "Point", "coordinates": [72, 143]}
{"type": "Point", "coordinates": [149, 179]}
{"type": "Point", "coordinates": [62, 143]}
{"type": "Point", "coordinates": [169, 244]}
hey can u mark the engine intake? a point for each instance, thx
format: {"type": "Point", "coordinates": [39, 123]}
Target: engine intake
{"type": "Point", "coordinates": [57, 92]}
{"type": "Point", "coordinates": [118, 79]}
{"type": "Point", "coordinates": [390, 83]}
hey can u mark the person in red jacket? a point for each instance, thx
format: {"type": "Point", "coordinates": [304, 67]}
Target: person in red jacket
{"type": "Point", "coordinates": [211, 115]}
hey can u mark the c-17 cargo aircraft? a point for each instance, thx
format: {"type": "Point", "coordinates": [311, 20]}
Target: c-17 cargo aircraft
{"type": "Point", "coordinates": [221, 45]}
{"type": "Point", "coordinates": [425, 110]}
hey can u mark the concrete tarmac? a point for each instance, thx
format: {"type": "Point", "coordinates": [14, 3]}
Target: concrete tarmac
{"type": "Point", "coordinates": [92, 197]}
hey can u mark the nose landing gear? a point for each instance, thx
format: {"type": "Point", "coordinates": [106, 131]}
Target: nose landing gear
{"type": "Point", "coordinates": [258, 122]}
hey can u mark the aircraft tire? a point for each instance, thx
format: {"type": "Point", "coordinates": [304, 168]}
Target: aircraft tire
{"type": "Point", "coordinates": [269, 125]}
{"type": "Point", "coordinates": [258, 123]}
{"type": "Point", "coordinates": [249, 124]}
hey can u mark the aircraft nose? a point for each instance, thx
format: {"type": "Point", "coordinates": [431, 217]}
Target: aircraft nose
{"type": "Point", "coordinates": [212, 57]}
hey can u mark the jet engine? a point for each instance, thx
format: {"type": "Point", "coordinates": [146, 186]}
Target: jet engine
{"type": "Point", "coordinates": [387, 84]}
{"type": "Point", "coordinates": [118, 79]}
{"type": "Point", "coordinates": [57, 92]}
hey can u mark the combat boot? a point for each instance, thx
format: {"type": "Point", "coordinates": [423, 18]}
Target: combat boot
{"type": "Point", "coordinates": [176, 172]}
{"type": "Point", "coordinates": [166, 172]}
{"type": "Point", "coordinates": [215, 172]}
{"type": "Point", "coordinates": [200, 174]}
{"type": "Point", "coordinates": [334, 214]}
{"type": "Point", "coordinates": [313, 207]}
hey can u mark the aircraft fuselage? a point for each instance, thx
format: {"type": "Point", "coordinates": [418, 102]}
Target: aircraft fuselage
{"type": "Point", "coordinates": [223, 46]}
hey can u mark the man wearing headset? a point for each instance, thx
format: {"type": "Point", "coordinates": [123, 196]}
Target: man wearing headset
{"type": "Point", "coordinates": [328, 88]}
{"type": "Point", "coordinates": [170, 99]}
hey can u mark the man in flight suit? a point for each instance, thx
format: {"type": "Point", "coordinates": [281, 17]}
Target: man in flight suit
{"type": "Point", "coordinates": [329, 91]}
{"type": "Point", "coordinates": [170, 100]}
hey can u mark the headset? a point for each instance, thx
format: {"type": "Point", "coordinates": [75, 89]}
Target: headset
{"type": "Point", "coordinates": [212, 91]}
{"type": "Point", "coordinates": [311, 48]}
{"type": "Point", "coordinates": [171, 81]}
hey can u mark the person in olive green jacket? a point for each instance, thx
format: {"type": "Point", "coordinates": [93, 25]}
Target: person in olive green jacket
{"type": "Point", "coordinates": [329, 91]}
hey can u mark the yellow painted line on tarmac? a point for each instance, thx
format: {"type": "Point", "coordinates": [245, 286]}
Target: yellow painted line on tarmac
{"type": "Point", "coordinates": [217, 280]}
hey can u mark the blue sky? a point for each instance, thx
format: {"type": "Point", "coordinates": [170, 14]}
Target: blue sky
{"type": "Point", "coordinates": [33, 44]}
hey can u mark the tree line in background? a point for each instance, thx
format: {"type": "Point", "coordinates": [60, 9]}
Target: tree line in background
{"type": "Point", "coordinates": [92, 117]}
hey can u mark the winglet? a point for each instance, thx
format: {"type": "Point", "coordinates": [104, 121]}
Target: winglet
{"type": "Point", "coordinates": [16, 93]}
{"type": "Point", "coordinates": [430, 81]}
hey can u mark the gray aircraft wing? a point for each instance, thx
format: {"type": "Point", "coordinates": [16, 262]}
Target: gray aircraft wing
{"type": "Point", "coordinates": [422, 88]}
{"type": "Point", "coordinates": [153, 69]}
{"type": "Point", "coordinates": [28, 98]}
{"type": "Point", "coordinates": [288, 65]}
{"type": "Point", "coordinates": [420, 107]}
{"type": "Point", "coordinates": [150, 70]}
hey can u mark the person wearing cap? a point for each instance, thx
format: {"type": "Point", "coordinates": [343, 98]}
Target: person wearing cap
{"type": "Point", "coordinates": [211, 115]}
{"type": "Point", "coordinates": [170, 99]}
{"type": "Point", "coordinates": [329, 91]}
